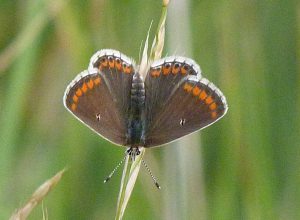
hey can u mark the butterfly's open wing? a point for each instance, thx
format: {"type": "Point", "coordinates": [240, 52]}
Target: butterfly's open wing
{"type": "Point", "coordinates": [100, 96]}
{"type": "Point", "coordinates": [179, 101]}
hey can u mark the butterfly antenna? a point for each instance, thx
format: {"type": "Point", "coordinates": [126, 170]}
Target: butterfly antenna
{"type": "Point", "coordinates": [114, 170]}
{"type": "Point", "coordinates": [153, 178]}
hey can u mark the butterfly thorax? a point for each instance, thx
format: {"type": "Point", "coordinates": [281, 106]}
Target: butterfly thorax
{"type": "Point", "coordinates": [136, 124]}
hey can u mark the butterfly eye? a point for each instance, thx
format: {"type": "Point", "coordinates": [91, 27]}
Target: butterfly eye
{"type": "Point", "coordinates": [98, 117]}
{"type": "Point", "coordinates": [182, 121]}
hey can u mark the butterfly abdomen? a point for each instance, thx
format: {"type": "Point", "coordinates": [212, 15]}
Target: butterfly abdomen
{"type": "Point", "coordinates": [137, 95]}
{"type": "Point", "coordinates": [137, 112]}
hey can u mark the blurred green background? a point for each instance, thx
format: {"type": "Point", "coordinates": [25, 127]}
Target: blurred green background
{"type": "Point", "coordinates": [246, 166]}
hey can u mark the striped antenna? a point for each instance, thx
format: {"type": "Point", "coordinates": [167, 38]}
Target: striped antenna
{"type": "Point", "coordinates": [152, 176]}
{"type": "Point", "coordinates": [115, 169]}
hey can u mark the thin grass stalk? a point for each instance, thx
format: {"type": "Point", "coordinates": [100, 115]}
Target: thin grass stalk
{"type": "Point", "coordinates": [37, 197]}
{"type": "Point", "coordinates": [159, 39]}
{"type": "Point", "coordinates": [131, 168]}
{"type": "Point", "coordinates": [130, 173]}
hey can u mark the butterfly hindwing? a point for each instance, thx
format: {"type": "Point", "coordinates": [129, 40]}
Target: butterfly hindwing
{"type": "Point", "coordinates": [100, 96]}
{"type": "Point", "coordinates": [179, 101]}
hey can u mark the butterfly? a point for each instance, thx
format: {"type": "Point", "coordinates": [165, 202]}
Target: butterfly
{"type": "Point", "coordinates": [166, 101]}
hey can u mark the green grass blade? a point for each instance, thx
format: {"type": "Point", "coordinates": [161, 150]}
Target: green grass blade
{"type": "Point", "coordinates": [159, 39]}
{"type": "Point", "coordinates": [130, 173]}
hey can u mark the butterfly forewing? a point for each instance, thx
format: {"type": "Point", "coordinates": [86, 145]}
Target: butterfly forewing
{"type": "Point", "coordinates": [161, 82]}
{"type": "Point", "coordinates": [179, 102]}
{"type": "Point", "coordinates": [100, 96]}
{"type": "Point", "coordinates": [118, 69]}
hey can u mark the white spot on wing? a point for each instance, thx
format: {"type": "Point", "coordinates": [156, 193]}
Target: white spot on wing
{"type": "Point", "coordinates": [182, 121]}
{"type": "Point", "coordinates": [98, 117]}
{"type": "Point", "coordinates": [193, 78]}
{"type": "Point", "coordinates": [204, 81]}
{"type": "Point", "coordinates": [169, 59]}
{"type": "Point", "coordinates": [157, 63]}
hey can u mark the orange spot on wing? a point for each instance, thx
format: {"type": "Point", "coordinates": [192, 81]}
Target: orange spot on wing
{"type": "Point", "coordinates": [97, 81]}
{"type": "Point", "coordinates": [166, 69]}
{"type": "Point", "coordinates": [155, 72]}
{"type": "Point", "coordinates": [175, 68]}
{"type": "Point", "coordinates": [90, 84]}
{"type": "Point", "coordinates": [111, 62]}
{"type": "Point", "coordinates": [203, 95]}
{"type": "Point", "coordinates": [75, 98]}
{"type": "Point", "coordinates": [214, 115]}
{"type": "Point", "coordinates": [103, 63]}
{"type": "Point", "coordinates": [187, 87]}
{"type": "Point", "coordinates": [118, 64]}
{"type": "Point", "coordinates": [152, 72]}
{"type": "Point", "coordinates": [184, 69]}
{"type": "Point", "coordinates": [84, 87]}
{"type": "Point", "coordinates": [213, 106]}
{"type": "Point", "coordinates": [209, 100]}
{"type": "Point", "coordinates": [73, 107]}
{"type": "Point", "coordinates": [196, 91]}
{"type": "Point", "coordinates": [78, 92]}
{"type": "Point", "coordinates": [128, 69]}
